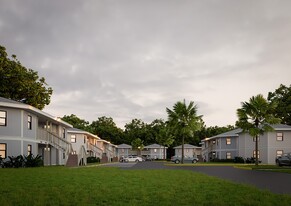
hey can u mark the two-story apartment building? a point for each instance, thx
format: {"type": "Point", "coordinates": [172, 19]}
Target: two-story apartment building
{"type": "Point", "coordinates": [27, 130]}
{"type": "Point", "coordinates": [155, 151]}
{"type": "Point", "coordinates": [189, 150]}
{"type": "Point", "coordinates": [236, 143]}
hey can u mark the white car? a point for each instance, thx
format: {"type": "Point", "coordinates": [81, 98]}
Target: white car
{"type": "Point", "coordinates": [132, 158]}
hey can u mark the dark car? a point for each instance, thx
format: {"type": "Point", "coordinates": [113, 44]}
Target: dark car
{"type": "Point", "coordinates": [285, 159]}
{"type": "Point", "coordinates": [187, 159]}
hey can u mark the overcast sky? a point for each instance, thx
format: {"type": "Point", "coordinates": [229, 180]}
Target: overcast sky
{"type": "Point", "coordinates": [129, 59]}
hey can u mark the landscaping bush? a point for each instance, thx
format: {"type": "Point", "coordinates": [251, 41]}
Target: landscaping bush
{"type": "Point", "coordinates": [222, 160]}
{"type": "Point", "coordinates": [93, 160]}
{"type": "Point", "coordinates": [239, 160]}
{"type": "Point", "coordinates": [31, 161]}
{"type": "Point", "coordinates": [22, 161]}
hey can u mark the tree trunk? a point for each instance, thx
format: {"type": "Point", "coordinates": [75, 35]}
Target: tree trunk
{"type": "Point", "coordinates": [257, 149]}
{"type": "Point", "coordinates": [165, 153]}
{"type": "Point", "coordinates": [182, 159]}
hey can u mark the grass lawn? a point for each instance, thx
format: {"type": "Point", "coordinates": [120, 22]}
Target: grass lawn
{"type": "Point", "coordinates": [113, 186]}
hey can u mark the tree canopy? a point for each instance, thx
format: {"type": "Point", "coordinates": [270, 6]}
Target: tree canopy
{"type": "Point", "coordinates": [282, 97]}
{"type": "Point", "coordinates": [21, 84]}
{"type": "Point", "coordinates": [76, 122]}
{"type": "Point", "coordinates": [106, 129]}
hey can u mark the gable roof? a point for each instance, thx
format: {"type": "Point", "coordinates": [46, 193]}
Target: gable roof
{"type": "Point", "coordinates": [154, 146]}
{"type": "Point", "coordinates": [124, 146]}
{"type": "Point", "coordinates": [281, 127]}
{"type": "Point", "coordinates": [187, 146]}
{"type": "Point", "coordinates": [236, 132]}
{"type": "Point", "coordinates": [4, 102]}
{"type": "Point", "coordinates": [79, 131]}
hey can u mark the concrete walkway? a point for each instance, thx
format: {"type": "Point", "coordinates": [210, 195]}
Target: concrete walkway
{"type": "Point", "coordinates": [275, 182]}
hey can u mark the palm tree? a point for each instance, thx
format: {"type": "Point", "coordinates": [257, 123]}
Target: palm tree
{"type": "Point", "coordinates": [184, 120]}
{"type": "Point", "coordinates": [256, 117]}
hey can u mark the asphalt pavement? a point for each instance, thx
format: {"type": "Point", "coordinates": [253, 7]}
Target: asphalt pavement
{"type": "Point", "coordinates": [275, 182]}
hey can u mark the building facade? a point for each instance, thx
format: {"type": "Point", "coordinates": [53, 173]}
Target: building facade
{"type": "Point", "coordinates": [237, 143]}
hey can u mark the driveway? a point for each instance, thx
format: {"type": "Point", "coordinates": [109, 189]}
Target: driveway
{"type": "Point", "coordinates": [275, 182]}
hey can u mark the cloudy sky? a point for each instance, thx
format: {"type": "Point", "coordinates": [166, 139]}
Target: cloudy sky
{"type": "Point", "coordinates": [129, 59]}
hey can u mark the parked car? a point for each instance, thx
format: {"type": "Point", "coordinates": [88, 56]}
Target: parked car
{"type": "Point", "coordinates": [132, 158]}
{"type": "Point", "coordinates": [187, 159]}
{"type": "Point", "coordinates": [285, 159]}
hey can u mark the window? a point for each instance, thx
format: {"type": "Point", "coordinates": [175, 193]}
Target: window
{"type": "Point", "coordinates": [64, 133]}
{"type": "Point", "coordinates": [187, 150]}
{"type": "Point", "coordinates": [254, 139]}
{"type": "Point", "coordinates": [279, 136]}
{"type": "Point", "coordinates": [228, 140]}
{"type": "Point", "coordinates": [213, 141]}
{"type": "Point", "coordinates": [228, 155]}
{"type": "Point", "coordinates": [29, 149]}
{"type": "Point", "coordinates": [84, 139]}
{"type": "Point", "coordinates": [3, 147]}
{"type": "Point", "coordinates": [29, 122]}
{"type": "Point", "coordinates": [3, 118]}
{"type": "Point", "coordinates": [279, 153]}
{"type": "Point", "coordinates": [64, 155]}
{"type": "Point", "coordinates": [122, 150]}
{"type": "Point", "coordinates": [73, 138]}
{"type": "Point", "coordinates": [254, 154]}
{"type": "Point", "coordinates": [155, 150]}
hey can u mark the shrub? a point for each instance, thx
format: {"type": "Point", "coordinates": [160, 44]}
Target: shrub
{"type": "Point", "coordinates": [239, 160]}
{"type": "Point", "coordinates": [22, 161]}
{"type": "Point", "coordinates": [31, 161]}
{"type": "Point", "coordinates": [93, 159]}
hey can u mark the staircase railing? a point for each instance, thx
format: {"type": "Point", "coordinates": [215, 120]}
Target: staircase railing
{"type": "Point", "coordinates": [54, 140]}
{"type": "Point", "coordinates": [82, 155]}
{"type": "Point", "coordinates": [96, 149]}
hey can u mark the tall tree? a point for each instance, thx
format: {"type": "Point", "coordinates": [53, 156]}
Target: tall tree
{"type": "Point", "coordinates": [106, 128]}
{"type": "Point", "coordinates": [184, 120]}
{"type": "Point", "coordinates": [282, 96]}
{"type": "Point", "coordinates": [76, 122]}
{"type": "Point", "coordinates": [21, 84]}
{"type": "Point", "coordinates": [256, 118]}
{"type": "Point", "coordinates": [135, 129]}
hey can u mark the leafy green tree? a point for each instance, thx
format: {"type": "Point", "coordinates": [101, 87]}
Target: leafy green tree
{"type": "Point", "coordinates": [164, 137]}
{"type": "Point", "coordinates": [21, 84]}
{"type": "Point", "coordinates": [135, 129]}
{"type": "Point", "coordinates": [137, 144]}
{"type": "Point", "coordinates": [184, 120]}
{"type": "Point", "coordinates": [256, 118]}
{"type": "Point", "coordinates": [282, 96]}
{"type": "Point", "coordinates": [76, 122]}
{"type": "Point", "coordinates": [106, 128]}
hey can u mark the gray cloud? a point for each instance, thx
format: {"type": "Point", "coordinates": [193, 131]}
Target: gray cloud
{"type": "Point", "coordinates": [132, 59]}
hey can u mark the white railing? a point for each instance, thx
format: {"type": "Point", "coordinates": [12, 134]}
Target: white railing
{"type": "Point", "coordinates": [82, 154]}
{"type": "Point", "coordinates": [53, 139]}
{"type": "Point", "coordinates": [96, 149]}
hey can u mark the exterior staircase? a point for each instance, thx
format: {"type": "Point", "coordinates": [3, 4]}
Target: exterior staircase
{"type": "Point", "coordinates": [72, 160]}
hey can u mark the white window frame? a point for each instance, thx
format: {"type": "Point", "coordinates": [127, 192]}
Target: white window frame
{"type": "Point", "coordinates": [73, 138]}
{"type": "Point", "coordinates": [254, 154]}
{"type": "Point", "coordinates": [3, 148]}
{"type": "Point", "coordinates": [279, 153]}
{"type": "Point", "coordinates": [29, 122]}
{"type": "Point", "coordinates": [3, 118]}
{"type": "Point", "coordinates": [280, 136]}
{"type": "Point", "coordinates": [228, 141]}
{"type": "Point", "coordinates": [228, 155]}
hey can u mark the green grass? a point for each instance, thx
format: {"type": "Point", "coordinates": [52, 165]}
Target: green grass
{"type": "Point", "coordinates": [271, 168]}
{"type": "Point", "coordinates": [113, 186]}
